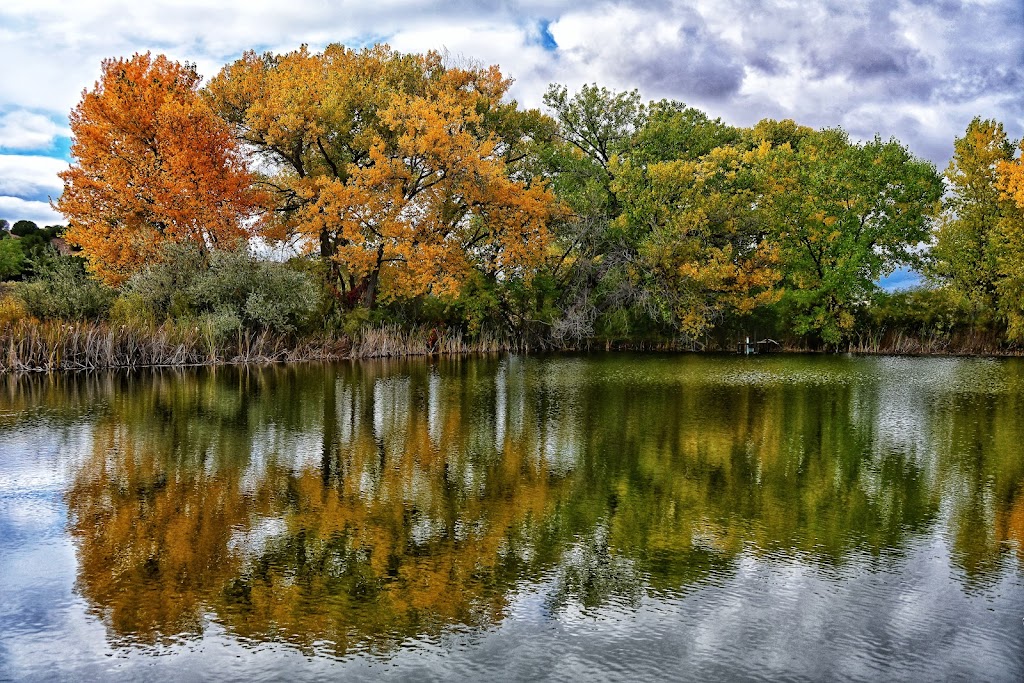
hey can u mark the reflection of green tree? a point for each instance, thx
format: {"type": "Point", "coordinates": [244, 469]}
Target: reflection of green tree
{"type": "Point", "coordinates": [360, 505]}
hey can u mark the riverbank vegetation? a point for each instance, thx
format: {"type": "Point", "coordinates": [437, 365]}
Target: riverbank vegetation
{"type": "Point", "coordinates": [369, 202]}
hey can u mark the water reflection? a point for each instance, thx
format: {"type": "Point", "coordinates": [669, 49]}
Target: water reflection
{"type": "Point", "coordinates": [361, 506]}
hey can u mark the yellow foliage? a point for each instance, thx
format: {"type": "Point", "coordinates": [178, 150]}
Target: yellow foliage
{"type": "Point", "coordinates": [12, 309]}
{"type": "Point", "coordinates": [386, 165]}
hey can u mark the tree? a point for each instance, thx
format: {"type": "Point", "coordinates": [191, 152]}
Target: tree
{"type": "Point", "coordinates": [595, 126]}
{"type": "Point", "coordinates": [390, 165]}
{"type": "Point", "coordinates": [11, 258]}
{"type": "Point", "coordinates": [844, 215]}
{"type": "Point", "coordinates": [700, 236]}
{"type": "Point", "coordinates": [152, 164]}
{"type": "Point", "coordinates": [965, 255]}
{"type": "Point", "coordinates": [672, 131]}
{"type": "Point", "coordinates": [24, 228]}
{"type": "Point", "coordinates": [4, 227]}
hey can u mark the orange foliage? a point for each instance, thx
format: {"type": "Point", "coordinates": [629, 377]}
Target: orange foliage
{"type": "Point", "coordinates": [1011, 178]}
{"type": "Point", "coordinates": [387, 165]}
{"type": "Point", "coordinates": [153, 163]}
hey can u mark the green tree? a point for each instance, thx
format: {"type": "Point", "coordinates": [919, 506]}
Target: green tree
{"type": "Point", "coordinates": [699, 231]}
{"type": "Point", "coordinates": [23, 228]}
{"type": "Point", "coordinates": [12, 259]}
{"type": "Point", "coordinates": [978, 249]}
{"type": "Point", "coordinates": [844, 215]}
{"type": "Point", "coordinates": [595, 125]}
{"type": "Point", "coordinates": [964, 256]}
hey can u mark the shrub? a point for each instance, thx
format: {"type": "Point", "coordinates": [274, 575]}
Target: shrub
{"type": "Point", "coordinates": [12, 258]}
{"type": "Point", "coordinates": [12, 309]}
{"type": "Point", "coordinates": [260, 294]}
{"type": "Point", "coordinates": [62, 289]}
{"type": "Point", "coordinates": [130, 309]}
{"type": "Point", "coordinates": [218, 327]}
{"type": "Point", "coordinates": [165, 287]}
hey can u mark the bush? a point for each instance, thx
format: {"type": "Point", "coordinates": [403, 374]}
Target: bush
{"type": "Point", "coordinates": [259, 294]}
{"type": "Point", "coordinates": [165, 287]}
{"type": "Point", "coordinates": [132, 310]}
{"type": "Point", "coordinates": [282, 299]}
{"type": "Point", "coordinates": [62, 289]}
{"type": "Point", "coordinates": [218, 327]}
{"type": "Point", "coordinates": [12, 258]}
{"type": "Point", "coordinates": [12, 309]}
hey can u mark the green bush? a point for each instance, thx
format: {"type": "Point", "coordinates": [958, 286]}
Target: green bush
{"type": "Point", "coordinates": [12, 258]}
{"type": "Point", "coordinates": [187, 283]}
{"type": "Point", "coordinates": [218, 327]}
{"type": "Point", "coordinates": [61, 289]}
{"type": "Point", "coordinates": [165, 287]}
{"type": "Point", "coordinates": [132, 310]}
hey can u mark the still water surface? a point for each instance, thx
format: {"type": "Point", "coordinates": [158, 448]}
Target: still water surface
{"type": "Point", "coordinates": [610, 517]}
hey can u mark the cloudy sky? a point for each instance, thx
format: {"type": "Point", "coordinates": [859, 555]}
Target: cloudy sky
{"type": "Point", "coordinates": [918, 70]}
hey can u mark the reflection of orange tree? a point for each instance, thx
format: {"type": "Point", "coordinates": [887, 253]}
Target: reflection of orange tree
{"type": "Point", "coordinates": [175, 514]}
{"type": "Point", "coordinates": [364, 504]}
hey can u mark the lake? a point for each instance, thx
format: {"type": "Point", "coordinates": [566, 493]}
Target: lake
{"type": "Point", "coordinates": [592, 517]}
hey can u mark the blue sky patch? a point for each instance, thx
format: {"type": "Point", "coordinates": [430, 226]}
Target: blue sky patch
{"type": "Point", "coordinates": [546, 41]}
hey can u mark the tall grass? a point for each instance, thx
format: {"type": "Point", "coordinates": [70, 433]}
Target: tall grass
{"type": "Point", "coordinates": [960, 343]}
{"type": "Point", "coordinates": [28, 345]}
{"type": "Point", "coordinates": [388, 341]}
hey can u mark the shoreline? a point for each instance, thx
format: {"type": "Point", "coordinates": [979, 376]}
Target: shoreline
{"type": "Point", "coordinates": [29, 347]}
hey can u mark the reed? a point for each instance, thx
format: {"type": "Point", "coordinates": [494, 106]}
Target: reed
{"type": "Point", "coordinates": [27, 345]}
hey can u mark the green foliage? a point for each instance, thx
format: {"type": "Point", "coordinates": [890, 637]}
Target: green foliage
{"type": "Point", "coordinates": [23, 228]}
{"type": "Point", "coordinates": [12, 259]}
{"type": "Point", "coordinates": [218, 327]}
{"type": "Point", "coordinates": [965, 255]}
{"type": "Point", "coordinates": [922, 312]}
{"type": "Point", "coordinates": [259, 294]}
{"type": "Point", "coordinates": [845, 215]}
{"type": "Point", "coordinates": [131, 309]}
{"type": "Point", "coordinates": [62, 289]}
{"type": "Point", "coordinates": [281, 300]}
{"type": "Point", "coordinates": [673, 132]}
{"type": "Point", "coordinates": [165, 286]}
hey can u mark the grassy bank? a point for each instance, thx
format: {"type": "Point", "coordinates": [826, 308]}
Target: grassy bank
{"type": "Point", "coordinates": [31, 346]}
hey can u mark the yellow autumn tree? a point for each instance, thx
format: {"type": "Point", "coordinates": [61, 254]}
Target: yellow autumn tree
{"type": "Point", "coordinates": [1011, 178]}
{"type": "Point", "coordinates": [1009, 244]}
{"type": "Point", "coordinates": [152, 163]}
{"type": "Point", "coordinates": [389, 165]}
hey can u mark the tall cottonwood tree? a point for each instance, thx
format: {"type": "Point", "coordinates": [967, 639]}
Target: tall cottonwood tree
{"type": "Point", "coordinates": [152, 163]}
{"type": "Point", "coordinates": [965, 255]}
{"type": "Point", "coordinates": [390, 165]}
{"type": "Point", "coordinates": [843, 215]}
{"type": "Point", "coordinates": [700, 236]}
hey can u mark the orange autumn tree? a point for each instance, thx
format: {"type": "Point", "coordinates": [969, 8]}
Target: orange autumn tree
{"type": "Point", "coordinates": [1011, 178]}
{"type": "Point", "coordinates": [152, 164]}
{"type": "Point", "coordinates": [390, 165]}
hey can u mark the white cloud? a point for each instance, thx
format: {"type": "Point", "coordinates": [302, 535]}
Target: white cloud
{"type": "Point", "coordinates": [849, 63]}
{"type": "Point", "coordinates": [26, 130]}
{"type": "Point", "coordinates": [14, 209]}
{"type": "Point", "coordinates": [30, 176]}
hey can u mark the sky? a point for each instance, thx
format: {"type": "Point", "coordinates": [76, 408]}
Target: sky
{"type": "Point", "coordinates": [916, 70]}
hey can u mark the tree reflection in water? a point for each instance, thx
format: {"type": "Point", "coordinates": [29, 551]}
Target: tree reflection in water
{"type": "Point", "coordinates": [354, 507]}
